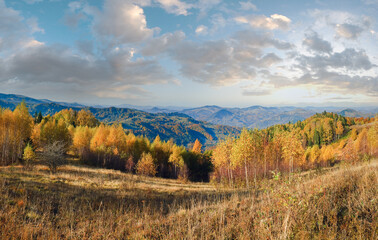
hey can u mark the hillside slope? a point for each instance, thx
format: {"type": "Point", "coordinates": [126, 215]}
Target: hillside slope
{"type": "Point", "coordinates": [87, 203]}
{"type": "Point", "coordinates": [183, 129]}
{"type": "Point", "coordinates": [251, 117]}
{"type": "Point", "coordinates": [263, 117]}
{"type": "Point", "coordinates": [177, 126]}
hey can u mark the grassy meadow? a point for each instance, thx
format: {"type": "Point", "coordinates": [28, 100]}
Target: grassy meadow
{"type": "Point", "coordinates": [79, 202]}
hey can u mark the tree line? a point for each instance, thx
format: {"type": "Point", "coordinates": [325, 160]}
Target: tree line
{"type": "Point", "coordinates": [24, 138]}
{"type": "Point", "coordinates": [320, 140]}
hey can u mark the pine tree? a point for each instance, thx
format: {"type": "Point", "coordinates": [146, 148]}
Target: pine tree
{"type": "Point", "coordinates": [316, 140]}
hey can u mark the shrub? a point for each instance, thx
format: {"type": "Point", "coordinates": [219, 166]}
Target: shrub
{"type": "Point", "coordinates": [28, 156]}
{"type": "Point", "coordinates": [53, 155]}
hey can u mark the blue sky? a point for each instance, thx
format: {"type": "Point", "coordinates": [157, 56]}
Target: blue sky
{"type": "Point", "coordinates": [191, 53]}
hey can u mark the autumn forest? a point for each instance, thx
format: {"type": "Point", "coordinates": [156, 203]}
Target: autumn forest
{"type": "Point", "coordinates": [319, 141]}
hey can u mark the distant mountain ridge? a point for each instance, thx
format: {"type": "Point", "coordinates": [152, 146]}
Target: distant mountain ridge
{"type": "Point", "coordinates": [15, 98]}
{"type": "Point", "coordinates": [250, 117]}
{"type": "Point", "coordinates": [262, 117]}
{"type": "Point", "coordinates": [179, 127]}
{"type": "Point", "coordinates": [207, 123]}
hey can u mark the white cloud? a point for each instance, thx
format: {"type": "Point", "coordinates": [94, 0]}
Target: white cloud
{"type": "Point", "coordinates": [15, 32]}
{"type": "Point", "coordinates": [33, 43]}
{"type": "Point", "coordinates": [227, 62]}
{"type": "Point", "coordinates": [315, 43]}
{"type": "Point", "coordinates": [28, 64]}
{"type": "Point", "coordinates": [205, 5]}
{"type": "Point", "coordinates": [74, 6]}
{"type": "Point", "coordinates": [341, 83]}
{"type": "Point", "coordinates": [273, 22]}
{"type": "Point", "coordinates": [370, 2]}
{"type": "Point", "coordinates": [211, 63]}
{"type": "Point", "coordinates": [201, 30]}
{"type": "Point", "coordinates": [257, 40]}
{"type": "Point", "coordinates": [57, 65]}
{"type": "Point", "coordinates": [248, 6]}
{"type": "Point", "coordinates": [345, 24]}
{"type": "Point", "coordinates": [33, 25]}
{"type": "Point", "coordinates": [163, 43]}
{"type": "Point", "coordinates": [348, 31]}
{"type": "Point", "coordinates": [176, 7]}
{"type": "Point", "coordinates": [350, 59]}
{"type": "Point", "coordinates": [121, 22]}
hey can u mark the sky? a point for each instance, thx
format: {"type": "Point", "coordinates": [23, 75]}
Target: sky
{"type": "Point", "coordinates": [191, 53]}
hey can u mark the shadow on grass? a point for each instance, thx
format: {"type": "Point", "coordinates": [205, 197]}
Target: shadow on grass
{"type": "Point", "coordinates": [56, 191]}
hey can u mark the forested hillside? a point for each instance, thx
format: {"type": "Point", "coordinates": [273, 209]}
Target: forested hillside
{"type": "Point", "coordinates": [263, 117]}
{"type": "Point", "coordinates": [321, 140]}
{"type": "Point", "coordinates": [250, 117]}
{"type": "Point", "coordinates": [182, 129]}
{"type": "Point", "coordinates": [179, 127]}
{"type": "Point", "coordinates": [50, 140]}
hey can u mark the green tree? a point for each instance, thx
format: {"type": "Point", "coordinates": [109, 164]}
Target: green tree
{"type": "Point", "coordinates": [317, 139]}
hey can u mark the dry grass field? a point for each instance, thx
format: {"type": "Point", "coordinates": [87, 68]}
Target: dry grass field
{"type": "Point", "coordinates": [87, 203]}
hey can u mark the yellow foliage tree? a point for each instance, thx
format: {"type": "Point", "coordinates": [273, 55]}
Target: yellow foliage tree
{"type": "Point", "coordinates": [372, 136]}
{"type": "Point", "coordinates": [116, 139]}
{"type": "Point", "coordinates": [51, 131]}
{"type": "Point", "coordinates": [361, 143]}
{"type": "Point", "coordinates": [339, 129]}
{"type": "Point", "coordinates": [221, 157]}
{"type": "Point", "coordinates": [86, 118]}
{"type": "Point", "coordinates": [68, 116]}
{"type": "Point", "coordinates": [292, 150]}
{"type": "Point", "coordinates": [15, 129]}
{"type": "Point", "coordinates": [197, 147]}
{"type": "Point", "coordinates": [327, 154]}
{"type": "Point", "coordinates": [82, 140]}
{"type": "Point", "coordinates": [353, 134]}
{"type": "Point", "coordinates": [176, 158]}
{"type": "Point", "coordinates": [242, 152]}
{"type": "Point", "coordinates": [146, 165]}
{"type": "Point", "coordinates": [314, 155]}
{"type": "Point", "coordinates": [29, 155]}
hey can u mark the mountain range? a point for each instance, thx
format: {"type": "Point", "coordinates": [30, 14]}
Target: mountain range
{"type": "Point", "coordinates": [262, 117]}
{"type": "Point", "coordinates": [184, 126]}
{"type": "Point", "coordinates": [181, 128]}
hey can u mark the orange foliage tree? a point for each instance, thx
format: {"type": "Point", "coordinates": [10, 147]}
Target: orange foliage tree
{"type": "Point", "coordinates": [146, 165]}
